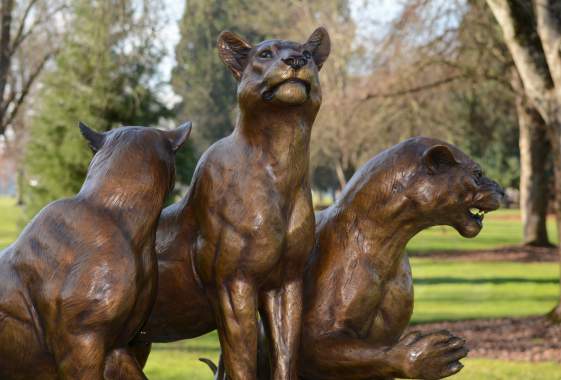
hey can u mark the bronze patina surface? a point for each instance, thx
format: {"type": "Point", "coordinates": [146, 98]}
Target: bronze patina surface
{"type": "Point", "coordinates": [238, 242]}
{"type": "Point", "coordinates": [358, 286]}
{"type": "Point", "coordinates": [80, 280]}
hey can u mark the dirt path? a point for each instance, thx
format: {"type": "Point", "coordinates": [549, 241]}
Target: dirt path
{"type": "Point", "coordinates": [528, 339]}
{"type": "Point", "coordinates": [520, 254]}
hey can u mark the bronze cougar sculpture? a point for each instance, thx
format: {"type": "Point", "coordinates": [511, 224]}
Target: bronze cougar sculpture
{"type": "Point", "coordinates": [238, 242]}
{"type": "Point", "coordinates": [358, 285]}
{"type": "Point", "coordinates": [80, 280]}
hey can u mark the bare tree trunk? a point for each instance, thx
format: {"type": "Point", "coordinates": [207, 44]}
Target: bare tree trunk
{"type": "Point", "coordinates": [5, 53]}
{"type": "Point", "coordinates": [340, 175]}
{"type": "Point", "coordinates": [534, 47]}
{"type": "Point", "coordinates": [534, 190]}
{"type": "Point", "coordinates": [555, 138]}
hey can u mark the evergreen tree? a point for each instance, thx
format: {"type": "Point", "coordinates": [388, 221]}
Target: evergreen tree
{"type": "Point", "coordinates": [207, 88]}
{"type": "Point", "coordinates": [100, 77]}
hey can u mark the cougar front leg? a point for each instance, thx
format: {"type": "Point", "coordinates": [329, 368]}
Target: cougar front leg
{"type": "Point", "coordinates": [140, 351]}
{"type": "Point", "coordinates": [235, 306]}
{"type": "Point", "coordinates": [79, 356]}
{"type": "Point", "coordinates": [282, 318]}
{"type": "Point", "coordinates": [121, 364]}
{"type": "Point", "coordinates": [341, 355]}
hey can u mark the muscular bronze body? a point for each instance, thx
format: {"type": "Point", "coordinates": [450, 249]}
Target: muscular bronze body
{"type": "Point", "coordinates": [80, 280]}
{"type": "Point", "coordinates": [237, 244]}
{"type": "Point", "coordinates": [358, 288]}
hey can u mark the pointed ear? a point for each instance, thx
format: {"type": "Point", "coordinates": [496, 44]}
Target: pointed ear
{"type": "Point", "coordinates": [179, 135]}
{"type": "Point", "coordinates": [319, 45]}
{"type": "Point", "coordinates": [234, 52]}
{"type": "Point", "coordinates": [438, 158]}
{"type": "Point", "coordinates": [95, 139]}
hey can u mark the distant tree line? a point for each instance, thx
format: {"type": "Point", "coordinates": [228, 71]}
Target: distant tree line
{"type": "Point", "coordinates": [441, 69]}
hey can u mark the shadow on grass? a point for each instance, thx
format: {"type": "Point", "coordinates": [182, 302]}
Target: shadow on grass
{"type": "Point", "coordinates": [186, 347]}
{"type": "Point", "coordinates": [484, 300]}
{"type": "Point", "coordinates": [491, 280]}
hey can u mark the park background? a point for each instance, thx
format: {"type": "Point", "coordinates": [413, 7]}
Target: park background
{"type": "Point", "coordinates": [445, 69]}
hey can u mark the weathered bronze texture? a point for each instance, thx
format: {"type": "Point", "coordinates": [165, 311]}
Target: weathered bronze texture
{"type": "Point", "coordinates": [80, 280]}
{"type": "Point", "coordinates": [358, 285]}
{"type": "Point", "coordinates": [237, 244]}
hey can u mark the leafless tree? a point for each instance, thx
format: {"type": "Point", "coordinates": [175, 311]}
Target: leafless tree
{"type": "Point", "coordinates": [441, 45]}
{"type": "Point", "coordinates": [532, 32]}
{"type": "Point", "coordinates": [26, 45]}
{"type": "Point", "coordinates": [534, 159]}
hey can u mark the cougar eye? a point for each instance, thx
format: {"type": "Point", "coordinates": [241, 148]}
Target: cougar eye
{"type": "Point", "coordinates": [266, 54]}
{"type": "Point", "coordinates": [307, 54]}
{"type": "Point", "coordinates": [478, 173]}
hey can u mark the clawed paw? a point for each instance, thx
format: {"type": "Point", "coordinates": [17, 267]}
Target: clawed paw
{"type": "Point", "coordinates": [433, 356]}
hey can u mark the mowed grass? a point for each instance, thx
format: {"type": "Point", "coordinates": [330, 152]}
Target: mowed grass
{"type": "Point", "coordinates": [484, 369]}
{"type": "Point", "coordinates": [500, 228]}
{"type": "Point", "coordinates": [443, 291]}
{"type": "Point", "coordinates": [453, 290]}
{"type": "Point", "coordinates": [181, 364]}
{"type": "Point", "coordinates": [9, 216]}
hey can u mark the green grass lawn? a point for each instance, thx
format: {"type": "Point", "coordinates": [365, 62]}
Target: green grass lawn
{"type": "Point", "coordinates": [452, 290]}
{"type": "Point", "coordinates": [500, 228]}
{"type": "Point", "coordinates": [181, 363]}
{"type": "Point", "coordinates": [443, 291]}
{"type": "Point", "coordinates": [484, 369]}
{"type": "Point", "coordinates": [9, 215]}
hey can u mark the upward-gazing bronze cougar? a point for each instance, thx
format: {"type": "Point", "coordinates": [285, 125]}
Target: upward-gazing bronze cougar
{"type": "Point", "coordinates": [238, 242]}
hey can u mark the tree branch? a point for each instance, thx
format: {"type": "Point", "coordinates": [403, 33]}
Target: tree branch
{"type": "Point", "coordinates": [22, 24]}
{"type": "Point", "coordinates": [5, 40]}
{"type": "Point", "coordinates": [22, 36]}
{"type": "Point", "coordinates": [415, 89]}
{"type": "Point", "coordinates": [25, 90]}
{"type": "Point", "coordinates": [525, 48]}
{"type": "Point", "coordinates": [548, 15]}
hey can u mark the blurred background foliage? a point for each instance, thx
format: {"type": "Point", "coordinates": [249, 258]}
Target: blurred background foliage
{"type": "Point", "coordinates": [436, 68]}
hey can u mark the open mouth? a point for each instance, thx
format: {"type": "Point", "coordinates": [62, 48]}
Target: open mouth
{"type": "Point", "coordinates": [471, 222]}
{"type": "Point", "coordinates": [477, 214]}
{"type": "Point", "coordinates": [270, 93]}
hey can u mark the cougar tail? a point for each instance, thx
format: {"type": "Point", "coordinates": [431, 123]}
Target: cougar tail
{"type": "Point", "coordinates": [210, 365]}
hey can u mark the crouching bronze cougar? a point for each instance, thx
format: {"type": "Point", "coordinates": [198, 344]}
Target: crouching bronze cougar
{"type": "Point", "coordinates": [358, 284]}
{"type": "Point", "coordinates": [80, 280]}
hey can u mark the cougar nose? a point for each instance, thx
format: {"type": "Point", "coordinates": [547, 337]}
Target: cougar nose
{"type": "Point", "coordinates": [296, 61]}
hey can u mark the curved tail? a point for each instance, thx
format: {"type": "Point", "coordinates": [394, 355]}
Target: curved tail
{"type": "Point", "coordinates": [210, 365]}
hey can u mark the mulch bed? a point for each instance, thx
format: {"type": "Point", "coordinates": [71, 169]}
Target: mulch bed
{"type": "Point", "coordinates": [528, 339]}
{"type": "Point", "coordinates": [521, 254]}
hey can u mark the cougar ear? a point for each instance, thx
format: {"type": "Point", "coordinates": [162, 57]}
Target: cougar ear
{"type": "Point", "coordinates": [234, 52]}
{"type": "Point", "coordinates": [319, 45]}
{"type": "Point", "coordinates": [179, 135]}
{"type": "Point", "coordinates": [95, 139]}
{"type": "Point", "coordinates": [438, 157]}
